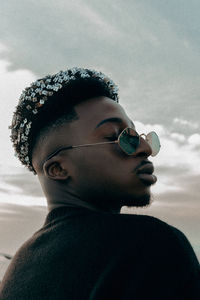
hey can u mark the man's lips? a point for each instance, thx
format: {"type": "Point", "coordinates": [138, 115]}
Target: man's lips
{"type": "Point", "coordinates": [147, 168]}
{"type": "Point", "coordinates": [145, 173]}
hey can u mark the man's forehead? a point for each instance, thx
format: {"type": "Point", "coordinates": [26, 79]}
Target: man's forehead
{"type": "Point", "coordinates": [112, 120]}
{"type": "Point", "coordinates": [96, 110]}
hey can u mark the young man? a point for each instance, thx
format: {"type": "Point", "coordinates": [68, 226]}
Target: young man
{"type": "Point", "coordinates": [70, 130]}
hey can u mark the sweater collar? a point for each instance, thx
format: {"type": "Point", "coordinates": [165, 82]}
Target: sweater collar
{"type": "Point", "coordinates": [65, 211]}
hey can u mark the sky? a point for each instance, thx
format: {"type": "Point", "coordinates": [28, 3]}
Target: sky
{"type": "Point", "coordinates": [151, 50]}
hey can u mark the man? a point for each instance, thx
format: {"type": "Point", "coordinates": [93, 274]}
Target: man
{"type": "Point", "coordinates": [70, 130]}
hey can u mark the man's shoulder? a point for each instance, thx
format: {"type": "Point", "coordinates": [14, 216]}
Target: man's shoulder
{"type": "Point", "coordinates": [136, 221]}
{"type": "Point", "coordinates": [110, 223]}
{"type": "Point", "coordinates": [130, 229]}
{"type": "Point", "coordinates": [149, 228]}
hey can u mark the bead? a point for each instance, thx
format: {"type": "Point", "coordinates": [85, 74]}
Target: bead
{"type": "Point", "coordinates": [35, 111]}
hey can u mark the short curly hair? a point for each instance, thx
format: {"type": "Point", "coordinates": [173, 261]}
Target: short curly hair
{"type": "Point", "coordinates": [50, 99]}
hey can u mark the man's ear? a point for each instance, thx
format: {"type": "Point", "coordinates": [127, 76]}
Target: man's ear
{"type": "Point", "coordinates": [54, 169]}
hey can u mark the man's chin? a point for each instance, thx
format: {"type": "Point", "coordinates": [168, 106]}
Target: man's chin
{"type": "Point", "coordinates": [138, 201]}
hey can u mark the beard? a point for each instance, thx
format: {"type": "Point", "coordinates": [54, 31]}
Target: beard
{"type": "Point", "coordinates": [138, 201]}
{"type": "Point", "coordinates": [106, 200]}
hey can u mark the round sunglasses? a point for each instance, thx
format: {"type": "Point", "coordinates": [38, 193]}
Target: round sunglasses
{"type": "Point", "coordinates": [128, 141]}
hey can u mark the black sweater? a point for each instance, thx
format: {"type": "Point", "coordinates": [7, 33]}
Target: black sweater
{"type": "Point", "coordinates": [80, 254]}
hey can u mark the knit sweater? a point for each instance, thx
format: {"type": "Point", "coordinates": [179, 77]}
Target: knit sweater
{"type": "Point", "coordinates": [79, 254]}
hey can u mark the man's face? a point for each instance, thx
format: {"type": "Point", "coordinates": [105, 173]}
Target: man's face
{"type": "Point", "coordinates": [103, 174]}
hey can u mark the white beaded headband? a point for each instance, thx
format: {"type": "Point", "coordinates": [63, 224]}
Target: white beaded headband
{"type": "Point", "coordinates": [35, 96]}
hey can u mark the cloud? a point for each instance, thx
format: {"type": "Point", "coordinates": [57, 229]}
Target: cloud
{"type": "Point", "coordinates": [18, 223]}
{"type": "Point", "coordinates": [177, 150]}
{"type": "Point", "coordinates": [186, 123]}
{"type": "Point", "coordinates": [136, 44]}
{"type": "Point", "coordinates": [61, 36]}
{"type": "Point", "coordinates": [178, 137]}
{"type": "Point", "coordinates": [194, 140]}
{"type": "Point", "coordinates": [24, 183]}
{"type": "Point", "coordinates": [13, 83]}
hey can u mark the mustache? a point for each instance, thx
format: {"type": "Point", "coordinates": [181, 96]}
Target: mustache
{"type": "Point", "coordinates": [142, 163]}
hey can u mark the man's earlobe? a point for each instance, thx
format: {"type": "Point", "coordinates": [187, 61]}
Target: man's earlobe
{"type": "Point", "coordinates": [54, 170]}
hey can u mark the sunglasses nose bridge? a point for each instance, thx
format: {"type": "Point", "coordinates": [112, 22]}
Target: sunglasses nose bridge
{"type": "Point", "coordinates": [145, 144]}
{"type": "Point", "coordinates": [144, 147]}
{"type": "Point", "coordinates": [143, 134]}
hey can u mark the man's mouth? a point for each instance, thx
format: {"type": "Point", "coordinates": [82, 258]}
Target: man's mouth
{"type": "Point", "coordinates": [145, 174]}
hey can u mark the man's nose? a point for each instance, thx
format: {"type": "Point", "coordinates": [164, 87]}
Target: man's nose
{"type": "Point", "coordinates": [144, 149]}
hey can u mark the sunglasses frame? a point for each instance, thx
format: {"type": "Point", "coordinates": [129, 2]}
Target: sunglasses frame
{"type": "Point", "coordinates": [102, 143]}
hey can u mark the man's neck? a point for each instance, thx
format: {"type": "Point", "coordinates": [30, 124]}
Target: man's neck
{"type": "Point", "coordinates": [73, 201]}
{"type": "Point", "coordinates": [58, 196]}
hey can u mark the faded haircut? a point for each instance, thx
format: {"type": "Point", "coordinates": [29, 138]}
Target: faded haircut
{"type": "Point", "coordinates": [49, 102]}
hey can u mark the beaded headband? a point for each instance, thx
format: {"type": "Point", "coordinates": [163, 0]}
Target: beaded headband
{"type": "Point", "coordinates": [35, 97]}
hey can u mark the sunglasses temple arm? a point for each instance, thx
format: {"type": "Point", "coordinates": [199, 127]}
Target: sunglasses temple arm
{"type": "Point", "coordinates": [102, 143]}
{"type": "Point", "coordinates": [56, 152]}
{"type": "Point", "coordinates": [77, 146]}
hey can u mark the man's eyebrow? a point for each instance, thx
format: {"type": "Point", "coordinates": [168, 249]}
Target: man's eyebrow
{"type": "Point", "coordinates": [118, 120]}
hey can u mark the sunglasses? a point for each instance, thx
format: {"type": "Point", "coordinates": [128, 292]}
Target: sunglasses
{"type": "Point", "coordinates": [128, 141]}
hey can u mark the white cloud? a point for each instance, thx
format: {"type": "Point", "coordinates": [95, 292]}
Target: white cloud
{"type": "Point", "coordinates": [178, 137]}
{"type": "Point", "coordinates": [13, 83]}
{"type": "Point", "coordinates": [194, 140]}
{"type": "Point", "coordinates": [193, 125]}
{"type": "Point", "coordinates": [24, 200]}
{"type": "Point", "coordinates": [178, 156]}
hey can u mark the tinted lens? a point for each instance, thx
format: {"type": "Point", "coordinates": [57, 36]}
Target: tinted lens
{"type": "Point", "coordinates": [154, 142]}
{"type": "Point", "coordinates": [129, 140]}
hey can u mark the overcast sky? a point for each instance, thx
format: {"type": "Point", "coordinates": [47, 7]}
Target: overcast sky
{"type": "Point", "coordinates": [151, 49]}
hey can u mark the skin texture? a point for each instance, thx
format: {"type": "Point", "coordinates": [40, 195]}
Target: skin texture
{"type": "Point", "coordinates": [103, 177]}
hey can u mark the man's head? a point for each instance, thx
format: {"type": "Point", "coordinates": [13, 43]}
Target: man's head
{"type": "Point", "coordinates": [52, 98]}
{"type": "Point", "coordinates": [84, 110]}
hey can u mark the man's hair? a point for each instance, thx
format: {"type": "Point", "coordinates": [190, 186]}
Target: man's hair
{"type": "Point", "coordinates": [50, 101]}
